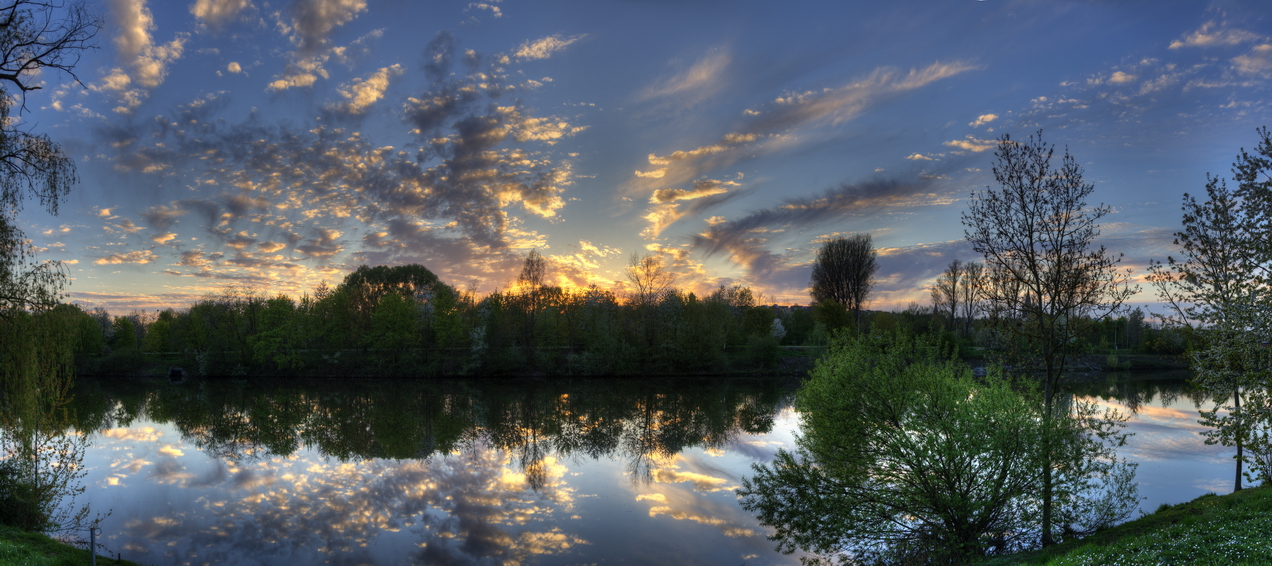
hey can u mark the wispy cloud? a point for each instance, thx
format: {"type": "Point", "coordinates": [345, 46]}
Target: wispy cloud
{"type": "Point", "coordinates": [544, 47]}
{"type": "Point", "coordinates": [1212, 34]}
{"type": "Point", "coordinates": [697, 83]}
{"type": "Point", "coordinates": [138, 257]}
{"type": "Point", "coordinates": [746, 240]}
{"type": "Point", "coordinates": [833, 106]}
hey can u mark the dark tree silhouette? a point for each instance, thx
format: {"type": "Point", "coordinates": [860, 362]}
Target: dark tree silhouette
{"type": "Point", "coordinates": [844, 273]}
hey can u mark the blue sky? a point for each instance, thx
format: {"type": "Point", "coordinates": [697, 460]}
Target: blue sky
{"type": "Point", "coordinates": [271, 146]}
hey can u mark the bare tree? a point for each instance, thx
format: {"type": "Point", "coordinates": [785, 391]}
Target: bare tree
{"type": "Point", "coordinates": [1037, 235]}
{"type": "Point", "coordinates": [971, 293]}
{"type": "Point", "coordinates": [958, 294]}
{"type": "Point", "coordinates": [844, 273]}
{"type": "Point", "coordinates": [945, 293]}
{"type": "Point", "coordinates": [649, 277]}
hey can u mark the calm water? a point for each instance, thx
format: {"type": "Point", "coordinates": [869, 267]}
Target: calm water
{"type": "Point", "coordinates": [488, 472]}
{"type": "Point", "coordinates": [493, 472]}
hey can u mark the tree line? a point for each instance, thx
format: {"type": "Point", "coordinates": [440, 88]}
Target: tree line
{"type": "Point", "coordinates": [404, 321]}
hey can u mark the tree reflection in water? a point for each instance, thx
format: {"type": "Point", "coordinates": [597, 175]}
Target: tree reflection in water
{"type": "Point", "coordinates": [637, 420]}
{"type": "Point", "coordinates": [1137, 393]}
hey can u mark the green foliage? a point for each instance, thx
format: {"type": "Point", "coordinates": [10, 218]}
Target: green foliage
{"type": "Point", "coordinates": [19, 503]}
{"type": "Point", "coordinates": [125, 336]}
{"type": "Point", "coordinates": [35, 549]}
{"type": "Point", "coordinates": [1221, 288]}
{"type": "Point", "coordinates": [276, 346]}
{"type": "Point", "coordinates": [906, 456]}
{"type": "Point", "coordinates": [1229, 529]}
{"type": "Point", "coordinates": [763, 351]}
{"type": "Point", "coordinates": [393, 327]}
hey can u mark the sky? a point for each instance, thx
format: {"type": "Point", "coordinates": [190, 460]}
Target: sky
{"type": "Point", "coordinates": [271, 146]}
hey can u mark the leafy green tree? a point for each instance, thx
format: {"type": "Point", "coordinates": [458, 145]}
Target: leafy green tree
{"type": "Point", "coordinates": [394, 327]}
{"type": "Point", "coordinates": [158, 336]}
{"type": "Point", "coordinates": [277, 343]}
{"type": "Point", "coordinates": [1221, 289]}
{"type": "Point", "coordinates": [125, 335]}
{"type": "Point", "coordinates": [906, 457]}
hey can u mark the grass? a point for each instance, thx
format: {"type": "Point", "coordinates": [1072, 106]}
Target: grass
{"type": "Point", "coordinates": [23, 548]}
{"type": "Point", "coordinates": [1212, 529]}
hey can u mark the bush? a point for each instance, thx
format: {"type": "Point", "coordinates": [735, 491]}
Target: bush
{"type": "Point", "coordinates": [763, 351]}
{"type": "Point", "coordinates": [907, 458]}
{"type": "Point", "coordinates": [19, 500]}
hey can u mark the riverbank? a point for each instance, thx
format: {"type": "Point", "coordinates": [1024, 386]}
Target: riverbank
{"type": "Point", "coordinates": [36, 549]}
{"type": "Point", "coordinates": [1212, 529]}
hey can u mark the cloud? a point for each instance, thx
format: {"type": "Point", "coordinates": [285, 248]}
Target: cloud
{"type": "Point", "coordinates": [681, 165]}
{"type": "Point", "coordinates": [918, 157]}
{"type": "Point", "coordinates": [137, 257]}
{"type": "Point", "coordinates": [312, 21]}
{"type": "Point", "coordinates": [300, 73]}
{"type": "Point", "coordinates": [162, 217]}
{"type": "Point", "coordinates": [983, 119]}
{"type": "Point", "coordinates": [1120, 77]}
{"type": "Point", "coordinates": [833, 106]}
{"type": "Point", "coordinates": [701, 188]}
{"type": "Point", "coordinates": [473, 164]}
{"type": "Point", "coordinates": [1208, 35]}
{"type": "Point", "coordinates": [362, 93]}
{"type": "Point", "coordinates": [134, 44]}
{"type": "Point", "coordinates": [745, 240]}
{"type": "Point", "coordinates": [215, 13]}
{"type": "Point", "coordinates": [234, 67]}
{"type": "Point", "coordinates": [544, 47]}
{"type": "Point", "coordinates": [145, 64]}
{"type": "Point", "coordinates": [972, 144]}
{"type": "Point", "coordinates": [704, 195]}
{"type": "Point", "coordinates": [193, 258]}
{"type": "Point", "coordinates": [698, 82]}
{"type": "Point", "coordinates": [1257, 62]}
{"type": "Point", "coordinates": [143, 434]}
{"type": "Point", "coordinates": [770, 129]}
{"type": "Point", "coordinates": [308, 27]}
{"type": "Point", "coordinates": [325, 245]}
{"type": "Point", "coordinates": [126, 226]}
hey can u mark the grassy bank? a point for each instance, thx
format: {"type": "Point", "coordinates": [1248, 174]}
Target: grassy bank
{"type": "Point", "coordinates": [1212, 529]}
{"type": "Point", "coordinates": [18, 547]}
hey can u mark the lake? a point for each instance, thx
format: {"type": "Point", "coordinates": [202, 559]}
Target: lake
{"type": "Point", "coordinates": [602, 471]}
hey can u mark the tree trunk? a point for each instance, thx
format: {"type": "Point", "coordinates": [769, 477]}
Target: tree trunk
{"type": "Point", "coordinates": [1236, 400]}
{"type": "Point", "coordinates": [1046, 471]}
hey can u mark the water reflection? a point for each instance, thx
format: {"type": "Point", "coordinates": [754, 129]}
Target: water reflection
{"type": "Point", "coordinates": [491, 472]}
{"type": "Point", "coordinates": [440, 473]}
{"type": "Point", "coordinates": [1175, 464]}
